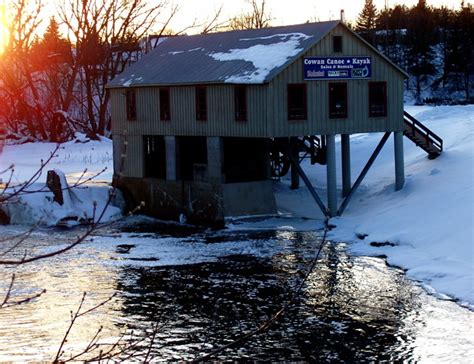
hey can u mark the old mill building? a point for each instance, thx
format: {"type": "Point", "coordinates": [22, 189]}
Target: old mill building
{"type": "Point", "coordinates": [204, 123]}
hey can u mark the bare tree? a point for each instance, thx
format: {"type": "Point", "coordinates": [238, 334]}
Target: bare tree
{"type": "Point", "coordinates": [106, 34]}
{"type": "Point", "coordinates": [19, 93]}
{"type": "Point", "coordinates": [258, 17]}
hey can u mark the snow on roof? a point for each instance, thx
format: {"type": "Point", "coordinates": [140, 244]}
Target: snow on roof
{"type": "Point", "coordinates": [264, 57]}
{"type": "Point", "coordinates": [248, 56]}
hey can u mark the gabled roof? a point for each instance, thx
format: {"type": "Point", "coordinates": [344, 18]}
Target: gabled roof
{"type": "Point", "coordinates": [249, 56]}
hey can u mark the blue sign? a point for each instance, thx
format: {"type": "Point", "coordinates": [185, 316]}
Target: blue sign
{"type": "Point", "coordinates": [324, 68]}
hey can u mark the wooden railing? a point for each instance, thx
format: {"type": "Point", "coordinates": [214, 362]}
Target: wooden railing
{"type": "Point", "coordinates": [433, 143]}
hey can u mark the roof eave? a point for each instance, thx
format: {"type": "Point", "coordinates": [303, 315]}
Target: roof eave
{"type": "Point", "coordinates": [111, 87]}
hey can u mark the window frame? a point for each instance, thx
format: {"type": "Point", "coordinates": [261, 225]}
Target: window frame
{"type": "Point", "coordinates": [377, 114]}
{"type": "Point", "coordinates": [240, 103]}
{"type": "Point", "coordinates": [165, 108]}
{"type": "Point", "coordinates": [332, 114]}
{"type": "Point", "coordinates": [337, 40]}
{"type": "Point", "coordinates": [131, 104]}
{"type": "Point", "coordinates": [201, 114]}
{"type": "Point", "coordinates": [292, 116]}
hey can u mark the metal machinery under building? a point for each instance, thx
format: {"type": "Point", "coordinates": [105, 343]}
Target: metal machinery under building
{"type": "Point", "coordinates": [203, 123]}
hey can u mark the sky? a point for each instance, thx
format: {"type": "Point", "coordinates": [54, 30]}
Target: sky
{"type": "Point", "coordinates": [286, 12]}
{"type": "Point", "coordinates": [282, 12]}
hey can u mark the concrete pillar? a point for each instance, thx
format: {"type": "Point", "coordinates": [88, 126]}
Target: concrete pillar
{"type": "Point", "coordinates": [346, 164]}
{"type": "Point", "coordinates": [399, 160]}
{"type": "Point", "coordinates": [295, 177]}
{"type": "Point", "coordinates": [171, 158]}
{"type": "Point", "coordinates": [331, 174]}
{"type": "Point", "coordinates": [214, 158]}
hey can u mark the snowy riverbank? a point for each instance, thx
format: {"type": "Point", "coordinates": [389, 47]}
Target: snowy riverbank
{"type": "Point", "coordinates": [80, 160]}
{"type": "Point", "coordinates": [429, 224]}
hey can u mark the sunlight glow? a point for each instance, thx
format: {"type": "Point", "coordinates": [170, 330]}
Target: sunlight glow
{"type": "Point", "coordinates": [3, 27]}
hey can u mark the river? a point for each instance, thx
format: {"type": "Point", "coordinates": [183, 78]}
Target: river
{"type": "Point", "coordinates": [206, 288]}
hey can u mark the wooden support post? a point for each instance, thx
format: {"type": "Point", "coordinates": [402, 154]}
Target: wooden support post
{"type": "Point", "coordinates": [331, 174]}
{"type": "Point", "coordinates": [346, 164]}
{"type": "Point", "coordinates": [171, 158]}
{"type": "Point", "coordinates": [214, 158]}
{"type": "Point", "coordinates": [308, 184]}
{"type": "Point", "coordinates": [363, 173]}
{"type": "Point", "coordinates": [399, 160]}
{"type": "Point", "coordinates": [295, 178]}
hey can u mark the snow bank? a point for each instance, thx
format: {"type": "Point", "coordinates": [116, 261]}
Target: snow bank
{"type": "Point", "coordinates": [78, 159]}
{"type": "Point", "coordinates": [429, 223]}
{"type": "Point", "coordinates": [39, 208]}
{"type": "Point", "coordinates": [72, 158]}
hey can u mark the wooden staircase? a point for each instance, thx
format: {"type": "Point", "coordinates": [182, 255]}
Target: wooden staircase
{"type": "Point", "coordinates": [422, 136]}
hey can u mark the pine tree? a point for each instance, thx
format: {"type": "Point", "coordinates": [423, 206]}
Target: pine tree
{"type": "Point", "coordinates": [465, 39]}
{"type": "Point", "coordinates": [366, 21]}
{"type": "Point", "coordinates": [420, 39]}
{"type": "Point", "coordinates": [51, 49]}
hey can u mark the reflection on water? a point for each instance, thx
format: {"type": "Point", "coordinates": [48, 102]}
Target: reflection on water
{"type": "Point", "coordinates": [352, 308]}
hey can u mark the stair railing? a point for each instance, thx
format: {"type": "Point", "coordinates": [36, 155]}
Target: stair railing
{"type": "Point", "coordinates": [417, 127]}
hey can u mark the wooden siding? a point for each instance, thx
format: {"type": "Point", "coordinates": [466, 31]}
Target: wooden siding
{"type": "Point", "coordinates": [221, 112]}
{"type": "Point", "coordinates": [318, 122]}
{"type": "Point", "coordinates": [133, 150]}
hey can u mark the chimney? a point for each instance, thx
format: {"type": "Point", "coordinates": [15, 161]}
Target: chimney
{"type": "Point", "coordinates": [342, 16]}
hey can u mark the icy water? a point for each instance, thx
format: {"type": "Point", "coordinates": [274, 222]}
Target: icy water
{"type": "Point", "coordinates": [207, 288]}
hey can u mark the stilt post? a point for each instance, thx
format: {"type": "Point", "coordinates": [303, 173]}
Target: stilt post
{"type": "Point", "coordinates": [294, 150]}
{"type": "Point", "coordinates": [331, 174]}
{"type": "Point", "coordinates": [346, 164]}
{"type": "Point", "coordinates": [399, 161]}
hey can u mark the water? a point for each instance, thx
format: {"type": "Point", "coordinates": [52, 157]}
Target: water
{"type": "Point", "coordinates": [206, 288]}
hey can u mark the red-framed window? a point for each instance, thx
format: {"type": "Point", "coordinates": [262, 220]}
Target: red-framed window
{"type": "Point", "coordinates": [296, 101]}
{"type": "Point", "coordinates": [240, 102]}
{"type": "Point", "coordinates": [201, 103]}
{"type": "Point", "coordinates": [337, 100]}
{"type": "Point", "coordinates": [377, 99]}
{"type": "Point", "coordinates": [131, 101]}
{"type": "Point", "coordinates": [165, 105]}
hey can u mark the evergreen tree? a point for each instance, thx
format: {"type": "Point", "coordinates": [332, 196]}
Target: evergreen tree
{"type": "Point", "coordinates": [420, 39]}
{"type": "Point", "coordinates": [464, 62]}
{"type": "Point", "coordinates": [51, 49]}
{"type": "Point", "coordinates": [366, 21]}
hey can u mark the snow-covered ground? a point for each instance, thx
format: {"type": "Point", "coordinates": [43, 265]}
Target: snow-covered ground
{"type": "Point", "coordinates": [429, 224]}
{"type": "Point", "coordinates": [78, 160]}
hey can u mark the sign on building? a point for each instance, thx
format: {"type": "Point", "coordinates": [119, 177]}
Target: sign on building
{"type": "Point", "coordinates": [324, 68]}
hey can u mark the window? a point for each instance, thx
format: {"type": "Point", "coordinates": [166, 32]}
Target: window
{"type": "Point", "coordinates": [296, 101]}
{"type": "Point", "coordinates": [377, 99]}
{"type": "Point", "coordinates": [338, 100]}
{"type": "Point", "coordinates": [165, 114]}
{"type": "Point", "coordinates": [201, 103]}
{"type": "Point", "coordinates": [240, 103]}
{"type": "Point", "coordinates": [131, 97]}
{"type": "Point", "coordinates": [337, 44]}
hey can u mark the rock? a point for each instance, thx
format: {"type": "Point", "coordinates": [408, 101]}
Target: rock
{"type": "Point", "coordinates": [53, 181]}
{"type": "Point", "coordinates": [4, 218]}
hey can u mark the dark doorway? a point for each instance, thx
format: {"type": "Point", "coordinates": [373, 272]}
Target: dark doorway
{"type": "Point", "coordinates": [192, 156]}
{"type": "Point", "coordinates": [245, 160]}
{"type": "Point", "coordinates": [154, 156]}
{"type": "Point", "coordinates": [337, 100]}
